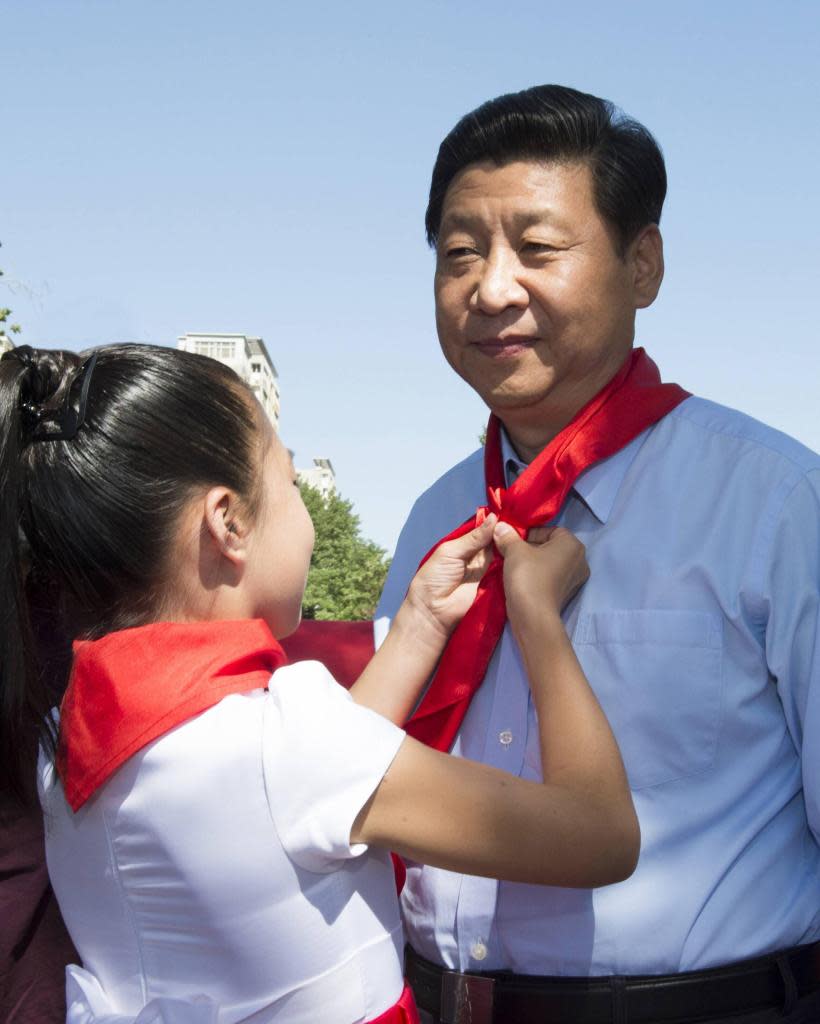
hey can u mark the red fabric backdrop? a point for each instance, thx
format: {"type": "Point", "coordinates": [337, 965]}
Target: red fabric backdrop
{"type": "Point", "coordinates": [343, 647]}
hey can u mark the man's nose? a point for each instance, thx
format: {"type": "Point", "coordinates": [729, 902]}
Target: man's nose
{"type": "Point", "coordinates": [499, 286]}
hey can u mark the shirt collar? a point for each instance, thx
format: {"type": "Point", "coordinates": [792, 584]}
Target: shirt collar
{"type": "Point", "coordinates": [597, 486]}
{"type": "Point", "coordinates": [514, 466]}
{"type": "Point", "coordinates": [134, 685]}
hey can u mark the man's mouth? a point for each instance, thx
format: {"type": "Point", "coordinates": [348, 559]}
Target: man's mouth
{"type": "Point", "coordinates": [505, 346]}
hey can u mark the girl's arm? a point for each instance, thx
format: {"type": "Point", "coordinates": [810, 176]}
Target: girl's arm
{"type": "Point", "coordinates": [578, 827]}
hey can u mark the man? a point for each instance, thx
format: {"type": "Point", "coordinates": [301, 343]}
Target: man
{"type": "Point", "coordinates": [697, 628]}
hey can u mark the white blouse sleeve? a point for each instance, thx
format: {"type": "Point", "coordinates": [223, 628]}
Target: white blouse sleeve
{"type": "Point", "coordinates": [323, 757]}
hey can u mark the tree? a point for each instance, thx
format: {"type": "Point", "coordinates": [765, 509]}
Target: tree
{"type": "Point", "coordinates": [346, 571]}
{"type": "Point", "coordinates": [4, 316]}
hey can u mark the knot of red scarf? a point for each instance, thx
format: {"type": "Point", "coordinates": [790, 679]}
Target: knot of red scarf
{"type": "Point", "coordinates": [629, 404]}
{"type": "Point", "coordinates": [495, 504]}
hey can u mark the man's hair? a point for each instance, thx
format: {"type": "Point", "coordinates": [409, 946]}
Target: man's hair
{"type": "Point", "coordinates": [555, 123]}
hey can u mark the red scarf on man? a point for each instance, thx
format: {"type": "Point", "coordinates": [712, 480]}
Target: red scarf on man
{"type": "Point", "coordinates": [631, 402]}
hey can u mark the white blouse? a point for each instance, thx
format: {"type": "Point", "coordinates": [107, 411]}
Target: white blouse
{"type": "Point", "coordinates": [211, 879]}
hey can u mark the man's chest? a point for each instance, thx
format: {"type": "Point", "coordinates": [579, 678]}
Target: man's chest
{"type": "Point", "coordinates": [657, 631]}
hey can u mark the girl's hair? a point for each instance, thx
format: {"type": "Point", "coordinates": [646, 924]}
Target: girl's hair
{"type": "Point", "coordinates": [99, 453]}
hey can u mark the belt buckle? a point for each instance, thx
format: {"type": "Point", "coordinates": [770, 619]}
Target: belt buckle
{"type": "Point", "coordinates": [466, 998]}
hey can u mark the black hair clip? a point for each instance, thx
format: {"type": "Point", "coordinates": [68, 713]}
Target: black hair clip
{"type": "Point", "coordinates": [24, 354]}
{"type": "Point", "coordinates": [63, 424]}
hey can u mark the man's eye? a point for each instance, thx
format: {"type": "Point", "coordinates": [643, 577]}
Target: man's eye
{"type": "Point", "coordinates": [538, 247]}
{"type": "Point", "coordinates": [455, 252]}
{"type": "Point", "coordinates": [459, 255]}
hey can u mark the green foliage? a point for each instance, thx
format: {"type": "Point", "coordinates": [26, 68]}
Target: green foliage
{"type": "Point", "coordinates": [5, 313]}
{"type": "Point", "coordinates": [346, 571]}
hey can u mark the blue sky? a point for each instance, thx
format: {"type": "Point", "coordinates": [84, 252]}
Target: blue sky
{"type": "Point", "coordinates": [260, 167]}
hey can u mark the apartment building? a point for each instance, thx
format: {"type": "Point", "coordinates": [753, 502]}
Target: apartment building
{"type": "Point", "coordinates": [248, 357]}
{"type": "Point", "coordinates": [320, 476]}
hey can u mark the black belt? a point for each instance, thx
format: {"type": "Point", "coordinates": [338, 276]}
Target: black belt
{"type": "Point", "coordinates": [501, 997]}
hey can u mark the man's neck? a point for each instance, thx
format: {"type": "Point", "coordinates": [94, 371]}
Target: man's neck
{"type": "Point", "coordinates": [529, 437]}
{"type": "Point", "coordinates": [528, 446]}
{"type": "Point", "coordinates": [531, 428]}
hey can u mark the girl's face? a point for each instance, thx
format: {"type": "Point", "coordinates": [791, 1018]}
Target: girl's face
{"type": "Point", "coordinates": [280, 545]}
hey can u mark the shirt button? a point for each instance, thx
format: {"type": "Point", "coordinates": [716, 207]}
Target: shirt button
{"type": "Point", "coordinates": [478, 951]}
{"type": "Point", "coordinates": [505, 737]}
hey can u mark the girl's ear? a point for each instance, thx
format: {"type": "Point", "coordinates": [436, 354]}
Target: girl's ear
{"type": "Point", "coordinates": [225, 525]}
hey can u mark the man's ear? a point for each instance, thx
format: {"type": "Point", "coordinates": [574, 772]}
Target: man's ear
{"type": "Point", "coordinates": [225, 524]}
{"type": "Point", "coordinates": [646, 255]}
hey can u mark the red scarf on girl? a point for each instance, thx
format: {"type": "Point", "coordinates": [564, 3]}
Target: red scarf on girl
{"type": "Point", "coordinates": [132, 686]}
{"type": "Point", "coordinates": [631, 402]}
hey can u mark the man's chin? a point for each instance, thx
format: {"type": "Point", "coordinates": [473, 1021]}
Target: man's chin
{"type": "Point", "coordinates": [517, 402]}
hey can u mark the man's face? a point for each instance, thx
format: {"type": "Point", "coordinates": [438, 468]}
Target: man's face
{"type": "Point", "coordinates": [535, 307]}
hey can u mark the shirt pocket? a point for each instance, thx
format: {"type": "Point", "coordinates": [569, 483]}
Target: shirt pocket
{"type": "Point", "coordinates": [658, 675]}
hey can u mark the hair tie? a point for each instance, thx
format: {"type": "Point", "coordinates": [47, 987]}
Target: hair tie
{"type": "Point", "coordinates": [59, 424]}
{"type": "Point", "coordinates": [24, 354]}
{"type": "Point", "coordinates": [63, 424]}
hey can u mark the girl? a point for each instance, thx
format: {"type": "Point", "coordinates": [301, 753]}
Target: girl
{"type": "Point", "coordinates": [218, 827]}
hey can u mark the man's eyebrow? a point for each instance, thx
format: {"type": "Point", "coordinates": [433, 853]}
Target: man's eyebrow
{"type": "Point", "coordinates": [461, 220]}
{"type": "Point", "coordinates": [537, 215]}
{"type": "Point", "coordinates": [458, 220]}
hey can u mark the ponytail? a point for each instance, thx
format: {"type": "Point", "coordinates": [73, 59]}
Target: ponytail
{"type": "Point", "coordinates": [99, 454]}
{"type": "Point", "coordinates": [25, 696]}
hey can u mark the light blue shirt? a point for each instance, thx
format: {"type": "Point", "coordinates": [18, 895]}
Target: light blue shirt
{"type": "Point", "coordinates": [698, 631]}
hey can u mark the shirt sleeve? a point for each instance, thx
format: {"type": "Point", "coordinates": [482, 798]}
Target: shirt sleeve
{"type": "Point", "coordinates": [415, 540]}
{"type": "Point", "coordinates": [435, 513]}
{"type": "Point", "coordinates": [403, 565]}
{"type": "Point", "coordinates": [792, 597]}
{"type": "Point", "coordinates": [323, 757]}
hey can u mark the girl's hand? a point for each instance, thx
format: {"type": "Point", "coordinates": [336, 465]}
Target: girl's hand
{"type": "Point", "coordinates": [541, 574]}
{"type": "Point", "coordinates": [442, 591]}
{"type": "Point", "coordinates": [445, 586]}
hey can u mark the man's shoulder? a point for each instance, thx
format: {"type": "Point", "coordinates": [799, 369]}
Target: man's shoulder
{"type": "Point", "coordinates": [445, 505]}
{"type": "Point", "coordinates": [459, 483]}
{"type": "Point", "coordinates": [736, 433]}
